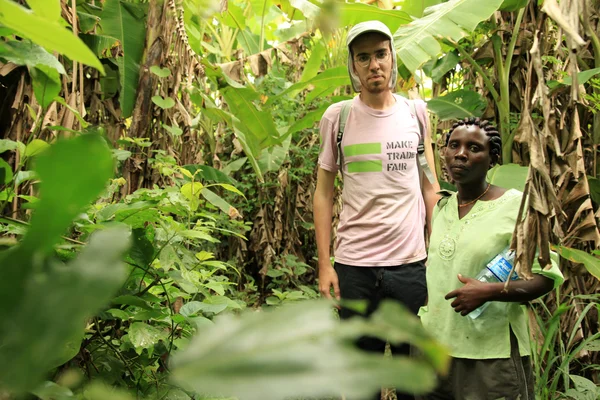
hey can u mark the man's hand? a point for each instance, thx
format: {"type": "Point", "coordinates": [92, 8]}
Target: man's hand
{"type": "Point", "coordinates": [469, 297]}
{"type": "Point", "coordinates": [328, 278]}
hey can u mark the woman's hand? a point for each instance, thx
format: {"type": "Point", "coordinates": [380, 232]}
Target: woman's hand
{"type": "Point", "coordinates": [469, 297]}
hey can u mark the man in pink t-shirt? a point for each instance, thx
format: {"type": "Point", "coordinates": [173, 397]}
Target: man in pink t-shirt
{"type": "Point", "coordinates": [380, 246]}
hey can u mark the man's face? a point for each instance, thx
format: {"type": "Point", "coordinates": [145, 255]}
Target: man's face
{"type": "Point", "coordinates": [372, 62]}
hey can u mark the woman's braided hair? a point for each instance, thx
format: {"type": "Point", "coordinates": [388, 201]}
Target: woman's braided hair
{"type": "Point", "coordinates": [490, 130]}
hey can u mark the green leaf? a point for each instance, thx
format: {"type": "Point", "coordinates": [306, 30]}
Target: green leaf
{"type": "Point", "coordinates": [219, 202]}
{"type": "Point", "coordinates": [24, 176]}
{"type": "Point", "coordinates": [35, 147]}
{"type": "Point", "coordinates": [272, 157]}
{"type": "Point", "coordinates": [175, 131]}
{"type": "Point", "coordinates": [591, 263]}
{"type": "Point", "coordinates": [582, 77]}
{"type": "Point", "coordinates": [307, 8]}
{"type": "Point", "coordinates": [131, 301]}
{"type": "Point", "coordinates": [353, 13]}
{"type": "Point", "coordinates": [144, 336]}
{"type": "Point", "coordinates": [48, 34]}
{"type": "Point", "coordinates": [458, 105]}
{"type": "Point", "coordinates": [512, 5]}
{"type": "Point", "coordinates": [508, 176]}
{"type": "Point", "coordinates": [163, 103]}
{"type": "Point", "coordinates": [594, 184]}
{"type": "Point", "coordinates": [101, 45]}
{"type": "Point", "coordinates": [439, 68]}
{"type": "Point", "coordinates": [256, 124]}
{"type": "Point", "coordinates": [594, 345]}
{"type": "Point", "coordinates": [417, 42]}
{"type": "Point", "coordinates": [46, 85]}
{"type": "Point", "coordinates": [234, 17]}
{"type": "Point", "coordinates": [6, 173]}
{"type": "Point", "coordinates": [24, 52]}
{"type": "Point", "coordinates": [331, 78]}
{"type": "Point", "coordinates": [126, 22]}
{"type": "Point", "coordinates": [313, 65]}
{"type": "Point", "coordinates": [142, 250]}
{"type": "Point", "coordinates": [8, 145]}
{"type": "Point", "coordinates": [56, 300]}
{"type": "Point", "coordinates": [208, 173]}
{"type": "Point", "coordinates": [48, 9]}
{"type": "Point", "coordinates": [160, 72]}
{"type": "Point", "coordinates": [416, 8]}
{"type": "Point", "coordinates": [73, 172]}
{"type": "Point", "coordinates": [276, 351]}
{"type": "Point", "coordinates": [52, 391]}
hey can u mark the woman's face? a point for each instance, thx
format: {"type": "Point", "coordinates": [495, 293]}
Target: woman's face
{"type": "Point", "coordinates": [467, 155]}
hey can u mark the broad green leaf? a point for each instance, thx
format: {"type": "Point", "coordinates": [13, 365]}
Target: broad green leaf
{"type": "Point", "coordinates": [208, 173]}
{"type": "Point", "coordinates": [87, 22]}
{"type": "Point", "coordinates": [144, 336]}
{"type": "Point", "coordinates": [46, 85]}
{"type": "Point", "coordinates": [24, 176]}
{"type": "Point", "coordinates": [142, 250]}
{"type": "Point", "coordinates": [272, 157]}
{"type": "Point", "coordinates": [307, 8]}
{"type": "Point", "coordinates": [508, 176]}
{"type": "Point", "coordinates": [591, 263]}
{"type": "Point", "coordinates": [6, 173]}
{"type": "Point", "coordinates": [101, 45]}
{"type": "Point", "coordinates": [126, 22]}
{"type": "Point", "coordinates": [313, 65]}
{"type": "Point", "coordinates": [594, 345]}
{"type": "Point", "coordinates": [173, 130]}
{"type": "Point", "coordinates": [234, 166]}
{"type": "Point", "coordinates": [131, 301]}
{"type": "Point", "coordinates": [198, 234]}
{"type": "Point", "coordinates": [234, 17]}
{"type": "Point", "coordinates": [416, 8]}
{"type": "Point", "coordinates": [437, 69]}
{"type": "Point", "coordinates": [47, 9]}
{"type": "Point", "coordinates": [308, 121]}
{"type": "Point", "coordinates": [52, 391]}
{"type": "Point", "coordinates": [331, 78]}
{"type": "Point", "coordinates": [458, 105]}
{"type": "Point", "coordinates": [252, 121]}
{"type": "Point", "coordinates": [219, 202]}
{"type": "Point", "coordinates": [513, 5]}
{"type": "Point", "coordinates": [100, 391]}
{"type": "Point", "coordinates": [160, 72]}
{"type": "Point", "coordinates": [24, 52]}
{"type": "Point", "coordinates": [35, 147]}
{"type": "Point", "coordinates": [49, 34]}
{"type": "Point", "coordinates": [163, 103]}
{"type": "Point", "coordinates": [353, 13]}
{"type": "Point", "coordinates": [594, 184]}
{"type": "Point", "coordinates": [66, 189]}
{"type": "Point", "coordinates": [585, 385]}
{"type": "Point", "coordinates": [230, 188]}
{"type": "Point", "coordinates": [417, 42]}
{"type": "Point", "coordinates": [56, 300]}
{"type": "Point", "coordinates": [8, 145]}
{"type": "Point", "coordinates": [295, 344]}
{"type": "Point", "coordinates": [582, 77]}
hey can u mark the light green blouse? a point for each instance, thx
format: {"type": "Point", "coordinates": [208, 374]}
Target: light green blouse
{"type": "Point", "coordinates": [465, 246]}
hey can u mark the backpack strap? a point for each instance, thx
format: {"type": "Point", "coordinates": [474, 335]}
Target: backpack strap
{"type": "Point", "coordinates": [421, 159]}
{"type": "Point", "coordinates": [344, 114]}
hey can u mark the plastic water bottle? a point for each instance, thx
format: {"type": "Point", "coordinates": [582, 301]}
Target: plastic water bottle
{"type": "Point", "coordinates": [495, 271]}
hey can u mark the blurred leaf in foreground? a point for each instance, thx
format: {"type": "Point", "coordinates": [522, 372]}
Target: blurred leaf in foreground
{"type": "Point", "coordinates": [300, 350]}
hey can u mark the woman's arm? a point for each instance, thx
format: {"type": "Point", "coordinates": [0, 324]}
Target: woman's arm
{"type": "Point", "coordinates": [474, 293]}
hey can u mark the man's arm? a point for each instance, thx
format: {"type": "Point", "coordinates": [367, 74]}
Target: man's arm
{"type": "Point", "coordinates": [430, 197]}
{"type": "Point", "coordinates": [322, 214]}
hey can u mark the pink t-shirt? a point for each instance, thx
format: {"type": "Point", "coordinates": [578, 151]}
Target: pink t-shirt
{"type": "Point", "coordinates": [383, 214]}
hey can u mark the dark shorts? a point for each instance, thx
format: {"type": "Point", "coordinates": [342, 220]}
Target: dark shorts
{"type": "Point", "coordinates": [404, 283]}
{"type": "Point", "coordinates": [492, 379]}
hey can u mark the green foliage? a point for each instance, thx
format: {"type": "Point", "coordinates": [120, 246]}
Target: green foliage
{"type": "Point", "coordinates": [508, 176]}
{"type": "Point", "coordinates": [303, 343]}
{"type": "Point", "coordinates": [591, 263]}
{"type": "Point", "coordinates": [417, 42]}
{"type": "Point", "coordinates": [36, 27]}
{"type": "Point", "coordinates": [49, 297]}
{"type": "Point", "coordinates": [458, 104]}
{"type": "Point", "coordinates": [125, 22]}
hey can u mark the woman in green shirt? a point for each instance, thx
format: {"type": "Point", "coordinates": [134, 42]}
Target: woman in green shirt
{"type": "Point", "coordinates": [490, 353]}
